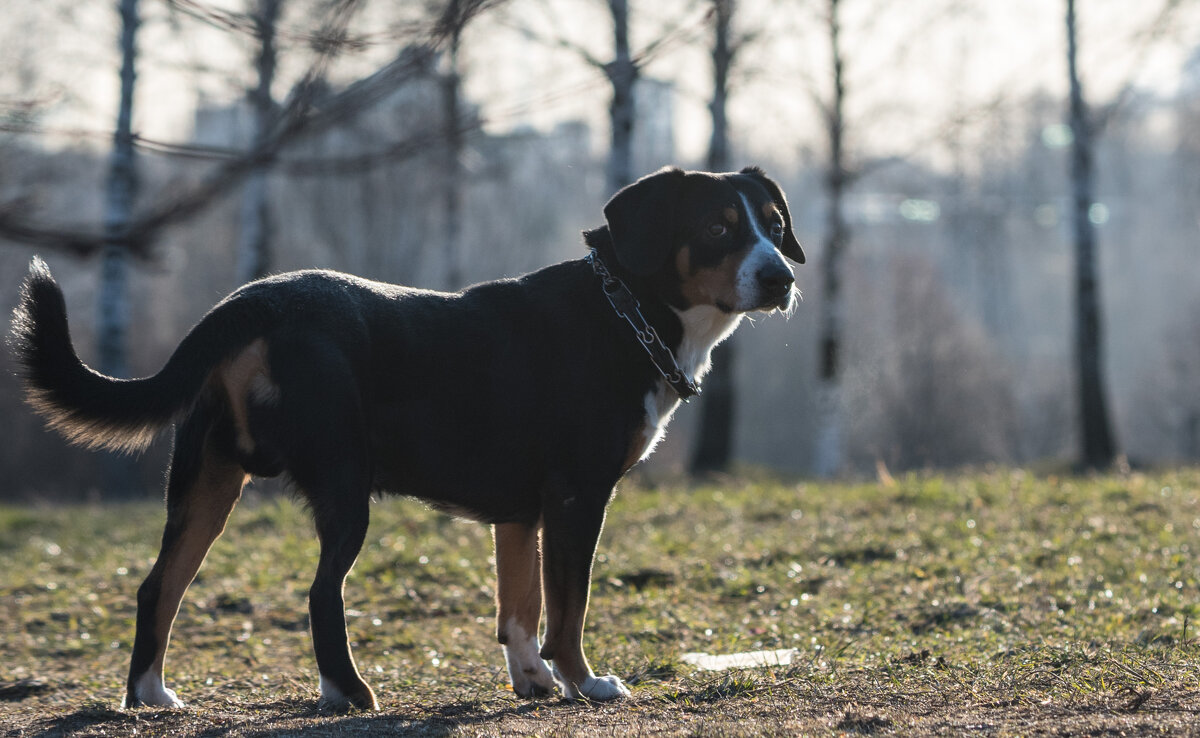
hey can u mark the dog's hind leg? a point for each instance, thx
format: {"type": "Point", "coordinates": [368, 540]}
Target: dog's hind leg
{"type": "Point", "coordinates": [571, 529]}
{"type": "Point", "coordinates": [341, 530]}
{"type": "Point", "coordinates": [519, 608]}
{"type": "Point", "coordinates": [326, 454]}
{"type": "Point", "coordinates": [203, 486]}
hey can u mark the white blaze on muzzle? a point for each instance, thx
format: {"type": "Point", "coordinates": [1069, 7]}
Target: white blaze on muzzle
{"type": "Point", "coordinates": [763, 255]}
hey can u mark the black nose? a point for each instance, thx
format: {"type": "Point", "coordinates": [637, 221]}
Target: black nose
{"type": "Point", "coordinates": [775, 280]}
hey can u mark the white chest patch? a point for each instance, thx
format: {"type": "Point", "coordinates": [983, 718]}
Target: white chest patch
{"type": "Point", "coordinates": [704, 327]}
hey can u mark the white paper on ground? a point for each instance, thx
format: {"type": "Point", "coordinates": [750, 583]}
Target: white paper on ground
{"type": "Point", "coordinates": [743, 660]}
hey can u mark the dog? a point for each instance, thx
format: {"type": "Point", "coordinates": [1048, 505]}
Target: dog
{"type": "Point", "coordinates": [519, 403]}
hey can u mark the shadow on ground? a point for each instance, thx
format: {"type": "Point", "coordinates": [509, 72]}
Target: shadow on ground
{"type": "Point", "coordinates": [291, 717]}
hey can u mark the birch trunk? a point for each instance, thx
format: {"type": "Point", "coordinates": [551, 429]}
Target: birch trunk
{"type": "Point", "coordinates": [622, 73]}
{"type": "Point", "coordinates": [453, 182]}
{"type": "Point", "coordinates": [113, 313]}
{"type": "Point", "coordinates": [830, 454]}
{"type": "Point", "coordinates": [254, 244]}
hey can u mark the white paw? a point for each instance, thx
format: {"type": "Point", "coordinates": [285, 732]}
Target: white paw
{"type": "Point", "coordinates": [599, 689]}
{"type": "Point", "coordinates": [331, 696]}
{"type": "Point", "coordinates": [530, 679]}
{"type": "Point", "coordinates": [151, 692]}
{"type": "Point", "coordinates": [604, 688]}
{"type": "Point", "coordinates": [529, 674]}
{"type": "Point", "coordinates": [334, 699]}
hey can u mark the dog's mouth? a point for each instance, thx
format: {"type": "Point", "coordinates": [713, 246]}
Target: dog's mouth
{"type": "Point", "coordinates": [784, 301]}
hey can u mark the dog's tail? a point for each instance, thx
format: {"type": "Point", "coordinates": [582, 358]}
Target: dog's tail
{"type": "Point", "coordinates": [87, 407]}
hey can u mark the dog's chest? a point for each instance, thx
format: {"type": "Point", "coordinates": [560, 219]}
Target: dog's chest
{"type": "Point", "coordinates": [703, 328]}
{"type": "Point", "coordinates": [658, 405]}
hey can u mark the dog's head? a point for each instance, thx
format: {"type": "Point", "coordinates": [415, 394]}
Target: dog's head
{"type": "Point", "coordinates": [707, 239]}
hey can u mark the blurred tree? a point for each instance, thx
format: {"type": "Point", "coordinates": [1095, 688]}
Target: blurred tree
{"type": "Point", "coordinates": [121, 190]}
{"type": "Point", "coordinates": [840, 173]}
{"type": "Point", "coordinates": [714, 443]}
{"type": "Point", "coordinates": [452, 175]}
{"type": "Point", "coordinates": [254, 240]}
{"type": "Point", "coordinates": [1098, 448]}
{"type": "Point", "coordinates": [830, 451]}
{"type": "Point", "coordinates": [420, 36]}
{"type": "Point", "coordinates": [622, 72]}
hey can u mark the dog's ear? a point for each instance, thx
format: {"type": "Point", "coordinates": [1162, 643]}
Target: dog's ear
{"type": "Point", "coordinates": [790, 246]}
{"type": "Point", "coordinates": [641, 220]}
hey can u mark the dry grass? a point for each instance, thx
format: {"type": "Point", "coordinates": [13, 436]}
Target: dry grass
{"type": "Point", "coordinates": [998, 603]}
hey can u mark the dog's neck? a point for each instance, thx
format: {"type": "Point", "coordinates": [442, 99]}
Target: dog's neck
{"type": "Point", "coordinates": [629, 308]}
{"type": "Point", "coordinates": [704, 326]}
{"type": "Point", "coordinates": [600, 241]}
{"type": "Point", "coordinates": [658, 301]}
{"type": "Point", "coordinates": [678, 340]}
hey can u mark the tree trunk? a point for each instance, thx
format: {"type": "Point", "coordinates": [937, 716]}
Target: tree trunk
{"type": "Point", "coordinates": [254, 246]}
{"type": "Point", "coordinates": [622, 73]}
{"type": "Point", "coordinates": [714, 443]}
{"type": "Point", "coordinates": [829, 452]}
{"type": "Point", "coordinates": [1097, 446]}
{"type": "Point", "coordinates": [452, 192]}
{"type": "Point", "coordinates": [722, 57]}
{"type": "Point", "coordinates": [119, 478]}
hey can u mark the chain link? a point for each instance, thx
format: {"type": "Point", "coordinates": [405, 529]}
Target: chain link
{"type": "Point", "coordinates": [661, 354]}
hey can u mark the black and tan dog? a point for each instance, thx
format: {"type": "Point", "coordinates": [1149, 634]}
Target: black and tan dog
{"type": "Point", "coordinates": [519, 403]}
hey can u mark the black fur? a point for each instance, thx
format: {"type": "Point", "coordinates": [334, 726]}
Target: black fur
{"type": "Point", "coordinates": [642, 219]}
{"type": "Point", "coordinates": [98, 411]}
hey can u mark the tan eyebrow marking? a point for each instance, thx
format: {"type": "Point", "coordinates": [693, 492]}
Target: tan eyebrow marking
{"type": "Point", "coordinates": [731, 215]}
{"type": "Point", "coordinates": [769, 209]}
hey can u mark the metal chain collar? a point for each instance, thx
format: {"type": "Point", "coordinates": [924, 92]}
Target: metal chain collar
{"type": "Point", "coordinates": [628, 307]}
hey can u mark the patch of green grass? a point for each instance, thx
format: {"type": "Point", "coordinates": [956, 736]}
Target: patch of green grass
{"type": "Point", "coordinates": [998, 599]}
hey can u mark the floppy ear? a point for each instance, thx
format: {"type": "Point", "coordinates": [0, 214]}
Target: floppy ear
{"type": "Point", "coordinates": [790, 246]}
{"type": "Point", "coordinates": [641, 220]}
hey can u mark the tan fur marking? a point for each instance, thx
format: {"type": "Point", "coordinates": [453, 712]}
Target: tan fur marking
{"type": "Point", "coordinates": [731, 215]}
{"type": "Point", "coordinates": [770, 209]}
{"type": "Point", "coordinates": [247, 373]}
{"type": "Point", "coordinates": [710, 286]}
{"type": "Point", "coordinates": [216, 491]}
{"type": "Point", "coordinates": [683, 262]}
{"type": "Point", "coordinates": [518, 578]}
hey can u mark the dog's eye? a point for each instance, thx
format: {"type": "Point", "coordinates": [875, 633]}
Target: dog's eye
{"type": "Point", "coordinates": [777, 230]}
{"type": "Point", "coordinates": [716, 230]}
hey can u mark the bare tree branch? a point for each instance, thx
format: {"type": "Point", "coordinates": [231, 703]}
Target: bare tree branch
{"type": "Point", "coordinates": [302, 115]}
{"type": "Point", "coordinates": [558, 39]}
{"type": "Point", "coordinates": [683, 35]}
{"type": "Point", "coordinates": [1103, 115]}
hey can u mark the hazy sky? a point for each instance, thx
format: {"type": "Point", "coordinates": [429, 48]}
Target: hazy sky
{"type": "Point", "coordinates": [911, 65]}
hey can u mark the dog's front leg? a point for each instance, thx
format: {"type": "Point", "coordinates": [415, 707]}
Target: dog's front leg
{"type": "Point", "coordinates": [519, 608]}
{"type": "Point", "coordinates": [571, 529]}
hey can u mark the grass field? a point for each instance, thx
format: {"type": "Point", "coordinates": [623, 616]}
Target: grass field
{"type": "Point", "coordinates": [998, 603]}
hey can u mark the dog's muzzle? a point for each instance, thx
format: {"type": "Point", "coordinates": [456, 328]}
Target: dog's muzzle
{"type": "Point", "coordinates": [775, 286]}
